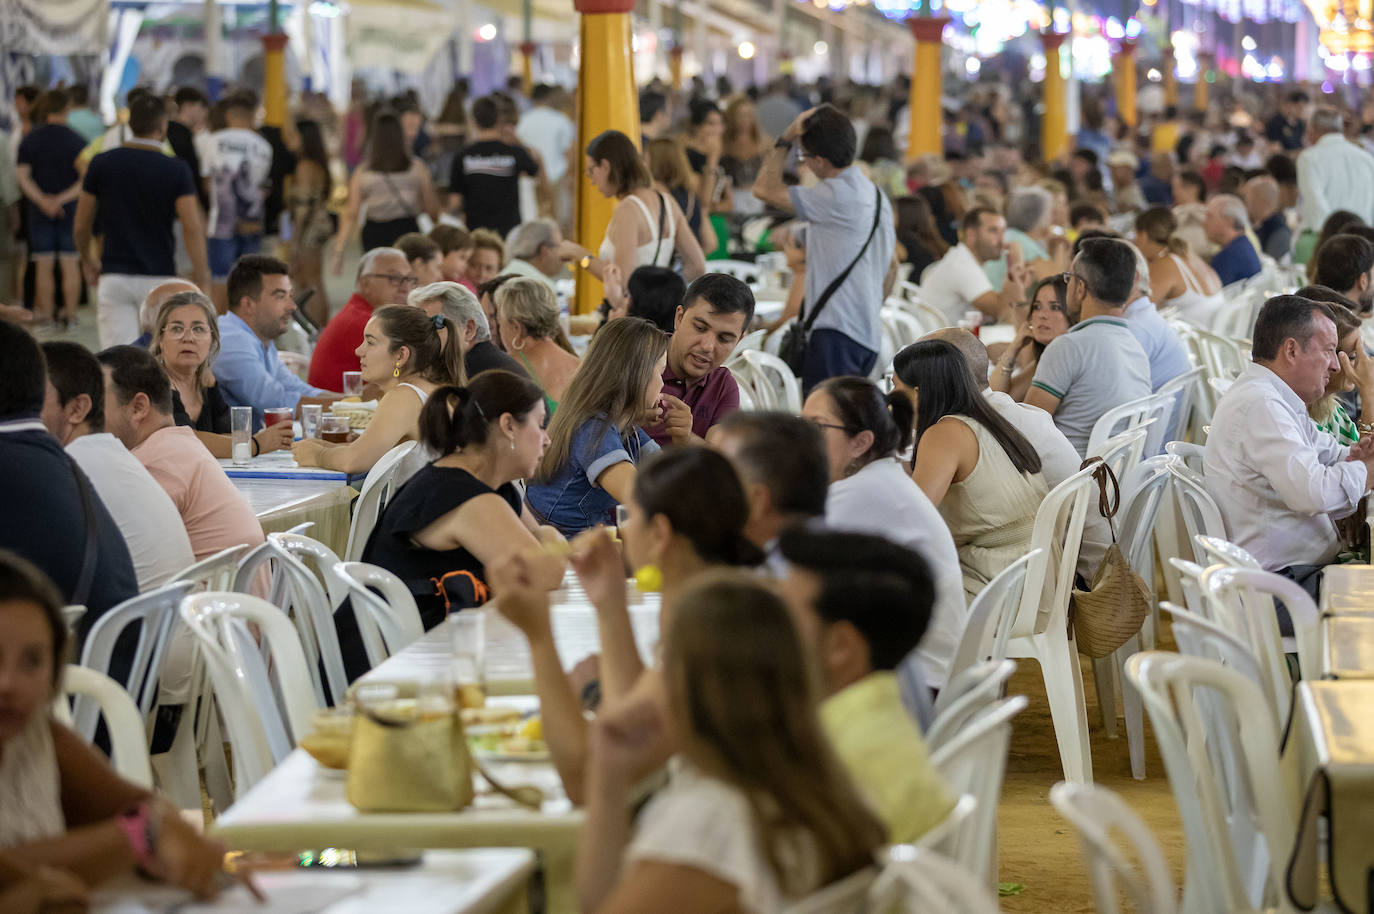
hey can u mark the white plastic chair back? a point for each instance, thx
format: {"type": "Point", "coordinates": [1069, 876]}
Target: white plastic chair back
{"type": "Point", "coordinates": [943, 836]}
{"type": "Point", "coordinates": [974, 761]}
{"type": "Point", "coordinates": [318, 557]}
{"type": "Point", "coordinates": [384, 607]}
{"type": "Point", "coordinates": [1188, 452]}
{"type": "Point", "coordinates": [155, 614]}
{"type": "Point", "coordinates": [1184, 391]}
{"type": "Point", "coordinates": [1098, 814]}
{"type": "Point", "coordinates": [970, 692]}
{"type": "Point", "coordinates": [744, 380]}
{"type": "Point", "coordinates": [772, 344]}
{"type": "Point", "coordinates": [252, 682]}
{"type": "Point", "coordinates": [1221, 551]}
{"type": "Point", "coordinates": [1133, 415]}
{"type": "Point", "coordinates": [1190, 577]}
{"type": "Point", "coordinates": [887, 349]}
{"type": "Point", "coordinates": [298, 593]}
{"type": "Point", "coordinates": [903, 326]}
{"type": "Point", "coordinates": [216, 572]}
{"type": "Point", "coordinates": [1200, 513]}
{"type": "Point", "coordinates": [1123, 451]}
{"type": "Point", "coordinates": [1143, 491]}
{"type": "Point", "coordinates": [918, 881]}
{"type": "Point", "coordinates": [747, 343]}
{"type": "Point", "coordinates": [772, 372]}
{"type": "Point", "coordinates": [123, 721]}
{"type": "Point", "coordinates": [1227, 869]}
{"type": "Point", "coordinates": [990, 617]}
{"type": "Point", "coordinates": [377, 489]}
{"type": "Point", "coordinates": [1200, 637]}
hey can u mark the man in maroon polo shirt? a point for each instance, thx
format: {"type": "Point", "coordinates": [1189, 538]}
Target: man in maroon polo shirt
{"type": "Point", "coordinates": [698, 390]}
{"type": "Point", "coordinates": [384, 278]}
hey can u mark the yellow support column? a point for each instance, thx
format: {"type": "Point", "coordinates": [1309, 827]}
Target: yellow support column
{"type": "Point", "coordinates": [1123, 67]}
{"type": "Point", "coordinates": [1170, 80]}
{"type": "Point", "coordinates": [675, 66]}
{"type": "Point", "coordinates": [924, 102]}
{"type": "Point", "coordinates": [527, 66]}
{"type": "Point", "coordinates": [274, 80]}
{"type": "Point", "coordinates": [1204, 65]}
{"type": "Point", "coordinates": [1054, 128]}
{"type": "Point", "coordinates": [606, 100]}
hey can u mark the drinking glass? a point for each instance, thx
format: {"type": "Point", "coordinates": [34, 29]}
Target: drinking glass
{"type": "Point", "coordinates": [271, 417]}
{"type": "Point", "coordinates": [241, 434]}
{"type": "Point", "coordinates": [469, 629]}
{"type": "Point", "coordinates": [310, 420]}
{"type": "Point", "coordinates": [353, 383]}
{"type": "Point", "coordinates": [334, 429]}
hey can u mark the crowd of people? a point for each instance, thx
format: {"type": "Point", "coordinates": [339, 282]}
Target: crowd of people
{"type": "Point", "coordinates": [847, 541]}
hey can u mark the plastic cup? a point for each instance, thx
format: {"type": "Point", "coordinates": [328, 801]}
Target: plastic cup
{"type": "Point", "coordinates": [310, 420]}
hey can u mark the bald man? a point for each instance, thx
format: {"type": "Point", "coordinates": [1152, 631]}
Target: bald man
{"type": "Point", "coordinates": [147, 312]}
{"type": "Point", "coordinates": [1058, 457]}
{"type": "Point", "coordinates": [1261, 196]}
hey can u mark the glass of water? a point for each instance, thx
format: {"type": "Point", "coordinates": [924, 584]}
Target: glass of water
{"type": "Point", "coordinates": [241, 434]}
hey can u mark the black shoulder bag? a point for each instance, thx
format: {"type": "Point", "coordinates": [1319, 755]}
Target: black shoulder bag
{"type": "Point", "coordinates": [793, 348]}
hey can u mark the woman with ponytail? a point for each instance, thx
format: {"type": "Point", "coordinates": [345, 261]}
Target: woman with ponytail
{"type": "Point", "coordinates": [407, 358]}
{"type": "Point", "coordinates": [1178, 276]}
{"type": "Point", "coordinates": [870, 492]}
{"type": "Point", "coordinates": [462, 511]}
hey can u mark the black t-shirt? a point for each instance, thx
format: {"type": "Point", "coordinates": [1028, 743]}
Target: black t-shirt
{"type": "Point", "coordinates": [1286, 133]}
{"type": "Point", "coordinates": [485, 356]}
{"type": "Point", "coordinates": [183, 143]}
{"type": "Point", "coordinates": [136, 191]}
{"type": "Point", "coordinates": [487, 174]}
{"type": "Point", "coordinates": [46, 524]}
{"type": "Point", "coordinates": [214, 412]}
{"type": "Point", "coordinates": [50, 152]}
{"type": "Point", "coordinates": [697, 160]}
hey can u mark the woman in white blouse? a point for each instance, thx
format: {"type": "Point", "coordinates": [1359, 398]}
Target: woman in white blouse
{"type": "Point", "coordinates": [758, 811]}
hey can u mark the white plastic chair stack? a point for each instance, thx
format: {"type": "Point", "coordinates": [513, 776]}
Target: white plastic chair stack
{"type": "Point", "coordinates": [123, 722]}
{"type": "Point", "coordinates": [1097, 814]}
{"type": "Point", "coordinates": [1200, 637]}
{"type": "Point", "coordinates": [971, 691]}
{"type": "Point", "coordinates": [1238, 813]}
{"type": "Point", "coordinates": [1199, 512]}
{"type": "Point", "coordinates": [943, 836]}
{"type": "Point", "coordinates": [252, 684]}
{"type": "Point", "coordinates": [1184, 391]}
{"type": "Point", "coordinates": [989, 621]}
{"type": "Point", "coordinates": [384, 607]}
{"type": "Point", "coordinates": [1058, 531]}
{"type": "Point", "coordinates": [215, 572]}
{"type": "Point", "coordinates": [918, 881]}
{"type": "Point", "coordinates": [377, 488]}
{"type": "Point", "coordinates": [784, 390]}
{"type": "Point", "coordinates": [974, 761]}
{"type": "Point", "coordinates": [1154, 411]}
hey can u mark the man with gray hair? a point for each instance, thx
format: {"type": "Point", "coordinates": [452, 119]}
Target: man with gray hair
{"type": "Point", "coordinates": [1226, 223]}
{"type": "Point", "coordinates": [1333, 173]}
{"type": "Point", "coordinates": [536, 249]}
{"type": "Point", "coordinates": [384, 278]}
{"type": "Point", "coordinates": [465, 312]}
{"type": "Point", "coordinates": [1261, 196]}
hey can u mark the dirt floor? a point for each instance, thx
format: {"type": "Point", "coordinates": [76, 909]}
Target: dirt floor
{"type": "Point", "coordinates": [1039, 848]}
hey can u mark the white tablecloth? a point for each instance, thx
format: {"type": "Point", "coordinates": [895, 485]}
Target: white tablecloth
{"type": "Point", "coordinates": [281, 504]}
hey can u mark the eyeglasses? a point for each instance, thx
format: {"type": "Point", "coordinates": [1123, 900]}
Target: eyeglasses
{"type": "Point", "coordinates": [819, 424]}
{"type": "Point", "coordinates": [179, 330]}
{"type": "Point", "coordinates": [1070, 277]}
{"type": "Point", "coordinates": [396, 279]}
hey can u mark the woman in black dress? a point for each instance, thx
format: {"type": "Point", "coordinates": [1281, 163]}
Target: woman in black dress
{"type": "Point", "coordinates": [185, 343]}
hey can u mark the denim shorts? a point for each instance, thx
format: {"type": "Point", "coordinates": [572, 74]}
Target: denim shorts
{"type": "Point", "coordinates": [223, 252]}
{"type": "Point", "coordinates": [51, 236]}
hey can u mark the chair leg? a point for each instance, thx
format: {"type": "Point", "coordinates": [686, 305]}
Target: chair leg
{"type": "Point", "coordinates": [1104, 671]}
{"type": "Point", "coordinates": [176, 770]}
{"type": "Point", "coordinates": [1058, 658]}
{"type": "Point", "coordinates": [1133, 709]}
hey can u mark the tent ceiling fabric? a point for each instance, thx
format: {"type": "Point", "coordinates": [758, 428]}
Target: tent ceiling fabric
{"type": "Point", "coordinates": [378, 37]}
{"type": "Point", "coordinates": [55, 26]}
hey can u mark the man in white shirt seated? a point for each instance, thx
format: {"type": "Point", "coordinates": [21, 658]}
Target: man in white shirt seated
{"type": "Point", "coordinates": [1281, 484]}
{"type": "Point", "coordinates": [1098, 365]}
{"type": "Point", "coordinates": [1058, 459]}
{"type": "Point", "coordinates": [956, 282]}
{"type": "Point", "coordinates": [74, 412]}
{"type": "Point", "coordinates": [1333, 173]}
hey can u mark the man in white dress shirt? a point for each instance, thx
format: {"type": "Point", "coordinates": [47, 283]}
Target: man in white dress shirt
{"type": "Point", "coordinates": [1333, 173]}
{"type": "Point", "coordinates": [74, 412]}
{"type": "Point", "coordinates": [1281, 484]}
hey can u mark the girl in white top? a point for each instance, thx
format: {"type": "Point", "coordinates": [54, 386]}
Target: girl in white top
{"type": "Point", "coordinates": [870, 492]}
{"type": "Point", "coordinates": [758, 811]}
{"type": "Point", "coordinates": [646, 226]}
{"type": "Point", "coordinates": [407, 358]}
{"type": "Point", "coordinates": [61, 805]}
{"type": "Point", "coordinates": [1179, 278]}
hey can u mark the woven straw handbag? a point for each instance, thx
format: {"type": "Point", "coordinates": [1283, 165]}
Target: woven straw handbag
{"type": "Point", "coordinates": [1105, 616]}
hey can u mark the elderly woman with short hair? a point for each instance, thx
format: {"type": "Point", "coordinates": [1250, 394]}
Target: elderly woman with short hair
{"type": "Point", "coordinates": [465, 312]}
{"type": "Point", "coordinates": [1030, 226]}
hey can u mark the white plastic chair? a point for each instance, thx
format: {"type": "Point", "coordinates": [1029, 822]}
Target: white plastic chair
{"type": "Point", "coordinates": [1058, 531]}
{"type": "Point", "coordinates": [384, 607]}
{"type": "Point", "coordinates": [1183, 389]}
{"type": "Point", "coordinates": [770, 371]}
{"type": "Point", "coordinates": [903, 326]}
{"type": "Point", "coordinates": [1189, 453]}
{"type": "Point", "coordinates": [242, 675]}
{"type": "Point", "coordinates": [1238, 813]}
{"type": "Point", "coordinates": [772, 344]}
{"type": "Point", "coordinates": [1131, 415]}
{"type": "Point", "coordinates": [1197, 636]}
{"type": "Point", "coordinates": [1124, 450]}
{"type": "Point", "coordinates": [1221, 551]}
{"type": "Point", "coordinates": [744, 380]}
{"type": "Point", "coordinates": [974, 761]}
{"type": "Point", "coordinates": [749, 342]}
{"type": "Point", "coordinates": [215, 572]}
{"type": "Point", "coordinates": [1190, 578]}
{"type": "Point", "coordinates": [377, 489]}
{"type": "Point", "coordinates": [917, 881]}
{"type": "Point", "coordinates": [989, 621]}
{"type": "Point", "coordinates": [123, 721]}
{"type": "Point", "coordinates": [1195, 504]}
{"type": "Point", "coordinates": [943, 835]}
{"type": "Point", "coordinates": [1096, 813]}
{"type": "Point", "coordinates": [970, 692]}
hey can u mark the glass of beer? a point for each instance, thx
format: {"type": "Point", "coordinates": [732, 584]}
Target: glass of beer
{"type": "Point", "coordinates": [469, 657]}
{"type": "Point", "coordinates": [334, 429]}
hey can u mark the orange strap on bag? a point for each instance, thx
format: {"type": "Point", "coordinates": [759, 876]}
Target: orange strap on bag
{"type": "Point", "coordinates": [479, 588]}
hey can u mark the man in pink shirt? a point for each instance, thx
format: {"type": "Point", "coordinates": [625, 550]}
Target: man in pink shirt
{"type": "Point", "coordinates": [138, 411]}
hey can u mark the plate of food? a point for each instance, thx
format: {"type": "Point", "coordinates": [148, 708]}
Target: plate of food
{"type": "Point", "coordinates": [521, 741]}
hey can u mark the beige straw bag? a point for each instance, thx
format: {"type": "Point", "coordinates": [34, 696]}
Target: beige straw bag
{"type": "Point", "coordinates": [1113, 609]}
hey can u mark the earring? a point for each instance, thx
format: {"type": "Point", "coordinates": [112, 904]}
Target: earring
{"type": "Point", "coordinates": [512, 444]}
{"type": "Point", "coordinates": [649, 579]}
{"type": "Point", "coordinates": [396, 372]}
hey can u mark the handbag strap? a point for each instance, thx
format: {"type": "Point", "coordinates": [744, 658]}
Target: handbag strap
{"type": "Point", "coordinates": [809, 320]}
{"type": "Point", "coordinates": [1107, 505]}
{"type": "Point", "coordinates": [662, 212]}
{"type": "Point", "coordinates": [84, 579]}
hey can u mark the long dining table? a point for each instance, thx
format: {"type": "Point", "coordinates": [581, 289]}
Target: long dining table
{"type": "Point", "coordinates": [283, 496]}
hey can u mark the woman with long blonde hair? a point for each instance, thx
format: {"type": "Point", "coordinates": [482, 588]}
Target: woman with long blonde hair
{"type": "Point", "coordinates": [673, 174]}
{"type": "Point", "coordinates": [742, 149]}
{"type": "Point", "coordinates": [758, 811]}
{"type": "Point", "coordinates": [597, 436]}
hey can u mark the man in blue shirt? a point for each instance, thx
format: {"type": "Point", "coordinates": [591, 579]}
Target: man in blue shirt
{"type": "Point", "coordinates": [1225, 224]}
{"type": "Point", "coordinates": [248, 368]}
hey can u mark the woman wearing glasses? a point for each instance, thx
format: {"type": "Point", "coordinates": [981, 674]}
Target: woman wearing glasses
{"type": "Point", "coordinates": [185, 342]}
{"type": "Point", "coordinates": [870, 492]}
{"type": "Point", "coordinates": [1047, 319]}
